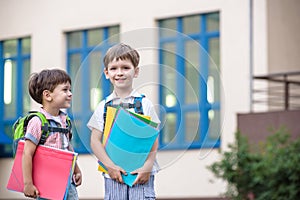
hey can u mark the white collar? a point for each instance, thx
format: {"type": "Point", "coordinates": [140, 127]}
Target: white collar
{"type": "Point", "coordinates": [114, 96]}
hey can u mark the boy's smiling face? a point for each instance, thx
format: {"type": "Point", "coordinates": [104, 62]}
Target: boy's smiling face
{"type": "Point", "coordinates": [121, 73]}
{"type": "Point", "coordinates": [61, 96]}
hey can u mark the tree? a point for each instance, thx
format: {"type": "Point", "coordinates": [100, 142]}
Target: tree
{"type": "Point", "coordinates": [270, 170]}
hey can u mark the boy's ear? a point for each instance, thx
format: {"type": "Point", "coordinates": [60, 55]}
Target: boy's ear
{"type": "Point", "coordinates": [136, 72]}
{"type": "Point", "coordinates": [106, 73]}
{"type": "Point", "coordinates": [47, 96]}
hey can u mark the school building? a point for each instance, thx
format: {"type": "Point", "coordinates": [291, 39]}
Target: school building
{"type": "Point", "coordinates": [200, 65]}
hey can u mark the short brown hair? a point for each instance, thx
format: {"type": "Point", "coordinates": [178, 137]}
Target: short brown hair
{"type": "Point", "coordinates": [121, 51]}
{"type": "Point", "coordinates": [47, 79]}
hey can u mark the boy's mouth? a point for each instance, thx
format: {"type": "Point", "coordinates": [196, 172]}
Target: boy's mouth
{"type": "Point", "coordinates": [120, 79]}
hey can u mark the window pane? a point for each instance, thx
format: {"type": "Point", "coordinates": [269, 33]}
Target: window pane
{"type": "Point", "coordinates": [74, 40]}
{"type": "Point", "coordinates": [214, 51]}
{"type": "Point", "coordinates": [213, 22]}
{"type": "Point", "coordinates": [169, 128]}
{"type": "Point", "coordinates": [214, 126]}
{"type": "Point", "coordinates": [26, 97]}
{"type": "Point", "coordinates": [192, 73]}
{"type": "Point", "coordinates": [192, 126]}
{"type": "Point", "coordinates": [95, 76]}
{"type": "Point", "coordinates": [191, 24]}
{"type": "Point", "coordinates": [214, 73]}
{"type": "Point", "coordinates": [169, 74]}
{"type": "Point", "coordinates": [10, 89]}
{"type": "Point", "coordinates": [95, 37]}
{"type": "Point", "coordinates": [9, 48]}
{"type": "Point", "coordinates": [75, 60]}
{"type": "Point", "coordinates": [76, 78]}
{"type": "Point", "coordinates": [26, 46]}
{"type": "Point", "coordinates": [113, 33]}
{"type": "Point", "coordinates": [168, 24]}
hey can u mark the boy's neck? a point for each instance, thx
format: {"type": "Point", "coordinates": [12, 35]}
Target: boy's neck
{"type": "Point", "coordinates": [51, 111]}
{"type": "Point", "coordinates": [123, 93]}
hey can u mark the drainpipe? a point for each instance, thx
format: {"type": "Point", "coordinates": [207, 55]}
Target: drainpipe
{"type": "Point", "coordinates": [251, 52]}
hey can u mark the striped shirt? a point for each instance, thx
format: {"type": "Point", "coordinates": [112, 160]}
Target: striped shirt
{"type": "Point", "coordinates": [55, 139]}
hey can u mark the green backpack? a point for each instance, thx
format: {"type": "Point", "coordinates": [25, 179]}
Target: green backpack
{"type": "Point", "coordinates": [20, 127]}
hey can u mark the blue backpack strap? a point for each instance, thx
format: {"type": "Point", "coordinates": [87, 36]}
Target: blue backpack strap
{"type": "Point", "coordinates": [138, 106]}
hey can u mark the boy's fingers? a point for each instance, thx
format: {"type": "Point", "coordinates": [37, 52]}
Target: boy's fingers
{"type": "Point", "coordinates": [36, 193]}
{"type": "Point", "coordinates": [118, 178]}
{"type": "Point", "coordinates": [136, 181]}
{"type": "Point", "coordinates": [123, 171]}
{"type": "Point", "coordinates": [134, 172]}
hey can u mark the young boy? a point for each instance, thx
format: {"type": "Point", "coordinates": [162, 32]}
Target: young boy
{"type": "Point", "coordinates": [121, 67]}
{"type": "Point", "coordinates": [51, 89]}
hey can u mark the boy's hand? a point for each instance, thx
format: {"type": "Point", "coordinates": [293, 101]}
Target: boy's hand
{"type": "Point", "coordinates": [30, 191]}
{"type": "Point", "coordinates": [115, 173]}
{"type": "Point", "coordinates": [77, 178]}
{"type": "Point", "coordinates": [142, 176]}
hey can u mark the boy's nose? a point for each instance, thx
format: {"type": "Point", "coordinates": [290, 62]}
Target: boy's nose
{"type": "Point", "coordinates": [119, 71]}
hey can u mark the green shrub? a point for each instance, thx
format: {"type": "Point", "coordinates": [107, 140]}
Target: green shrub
{"type": "Point", "coordinates": [270, 170]}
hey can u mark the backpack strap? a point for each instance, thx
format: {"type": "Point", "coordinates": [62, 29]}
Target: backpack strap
{"type": "Point", "coordinates": [69, 127]}
{"type": "Point", "coordinates": [137, 105]}
{"type": "Point", "coordinates": [46, 128]}
{"type": "Point", "coordinates": [44, 122]}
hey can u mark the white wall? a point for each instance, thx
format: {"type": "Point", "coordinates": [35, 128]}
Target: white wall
{"type": "Point", "coordinates": [184, 173]}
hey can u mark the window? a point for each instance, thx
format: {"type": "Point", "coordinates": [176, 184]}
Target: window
{"type": "Point", "coordinates": [85, 52]}
{"type": "Point", "coordinates": [189, 56]}
{"type": "Point", "coordinates": [14, 97]}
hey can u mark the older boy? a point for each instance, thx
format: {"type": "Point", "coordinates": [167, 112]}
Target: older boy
{"type": "Point", "coordinates": [121, 67]}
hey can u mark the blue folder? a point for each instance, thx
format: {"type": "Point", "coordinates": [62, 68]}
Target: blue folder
{"type": "Point", "coordinates": [130, 142]}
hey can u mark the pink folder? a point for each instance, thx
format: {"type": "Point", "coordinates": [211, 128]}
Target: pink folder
{"type": "Point", "coordinates": [52, 169]}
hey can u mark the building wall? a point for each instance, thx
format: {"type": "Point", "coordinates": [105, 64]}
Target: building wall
{"type": "Point", "coordinates": [184, 173]}
{"type": "Point", "coordinates": [283, 35]}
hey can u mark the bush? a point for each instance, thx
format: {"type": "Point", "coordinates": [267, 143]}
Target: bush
{"type": "Point", "coordinates": [270, 170]}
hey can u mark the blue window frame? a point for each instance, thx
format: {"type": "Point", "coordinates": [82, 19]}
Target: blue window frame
{"type": "Point", "coordinates": [85, 52]}
{"type": "Point", "coordinates": [14, 97]}
{"type": "Point", "coordinates": [189, 56]}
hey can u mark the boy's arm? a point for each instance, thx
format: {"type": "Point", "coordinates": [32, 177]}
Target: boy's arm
{"type": "Point", "coordinates": [143, 173]}
{"type": "Point", "coordinates": [99, 151]}
{"type": "Point", "coordinates": [29, 189]}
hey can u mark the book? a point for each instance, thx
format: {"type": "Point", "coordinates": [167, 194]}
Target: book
{"type": "Point", "coordinates": [110, 116]}
{"type": "Point", "coordinates": [129, 142]}
{"type": "Point", "coordinates": [52, 171]}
